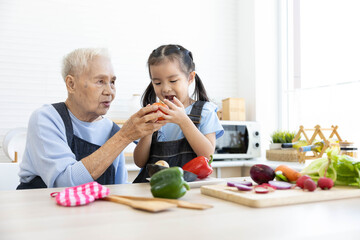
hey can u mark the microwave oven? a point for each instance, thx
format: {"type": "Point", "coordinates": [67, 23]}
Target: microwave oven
{"type": "Point", "coordinates": [241, 140]}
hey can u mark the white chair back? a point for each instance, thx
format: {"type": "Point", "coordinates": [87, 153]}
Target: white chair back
{"type": "Point", "coordinates": [14, 144]}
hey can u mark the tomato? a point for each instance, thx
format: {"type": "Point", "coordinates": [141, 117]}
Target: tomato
{"type": "Point", "coordinates": [163, 105]}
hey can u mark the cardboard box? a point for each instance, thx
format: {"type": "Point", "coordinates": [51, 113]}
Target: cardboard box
{"type": "Point", "coordinates": [233, 109]}
{"type": "Point", "coordinates": [219, 114]}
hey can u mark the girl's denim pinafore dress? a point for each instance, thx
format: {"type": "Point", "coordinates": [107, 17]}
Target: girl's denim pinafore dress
{"type": "Point", "coordinates": [176, 153]}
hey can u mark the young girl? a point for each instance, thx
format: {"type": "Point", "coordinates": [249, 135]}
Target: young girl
{"type": "Point", "coordinates": [192, 126]}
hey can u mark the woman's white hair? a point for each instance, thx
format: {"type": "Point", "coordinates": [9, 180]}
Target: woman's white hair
{"type": "Point", "coordinates": [77, 61]}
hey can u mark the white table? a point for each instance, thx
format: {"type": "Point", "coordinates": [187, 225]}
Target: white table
{"type": "Point", "coordinates": [33, 214]}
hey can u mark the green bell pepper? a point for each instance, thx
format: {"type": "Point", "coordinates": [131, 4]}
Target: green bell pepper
{"type": "Point", "coordinates": [169, 183]}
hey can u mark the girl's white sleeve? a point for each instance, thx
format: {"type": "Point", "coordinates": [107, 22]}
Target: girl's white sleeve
{"type": "Point", "coordinates": [209, 122]}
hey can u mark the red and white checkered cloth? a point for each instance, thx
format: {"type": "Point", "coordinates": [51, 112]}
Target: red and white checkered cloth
{"type": "Point", "coordinates": [81, 195]}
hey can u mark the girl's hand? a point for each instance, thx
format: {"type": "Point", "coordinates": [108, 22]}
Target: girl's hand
{"type": "Point", "coordinates": [176, 112]}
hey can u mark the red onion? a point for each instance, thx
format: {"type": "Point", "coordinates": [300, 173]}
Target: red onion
{"type": "Point", "coordinates": [280, 185]}
{"type": "Point", "coordinates": [242, 187]}
{"type": "Point", "coordinates": [261, 173]}
{"type": "Point", "coordinates": [246, 183]}
{"type": "Point", "coordinates": [261, 190]}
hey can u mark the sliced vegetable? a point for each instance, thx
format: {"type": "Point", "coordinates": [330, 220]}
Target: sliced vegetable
{"type": "Point", "coordinates": [162, 163]}
{"type": "Point", "coordinates": [268, 186]}
{"type": "Point", "coordinates": [261, 190]}
{"type": "Point", "coordinates": [246, 183]}
{"type": "Point", "coordinates": [280, 185]}
{"type": "Point", "coordinates": [230, 184]}
{"type": "Point", "coordinates": [291, 174]}
{"type": "Point", "coordinates": [242, 187]}
{"type": "Point", "coordinates": [280, 176]}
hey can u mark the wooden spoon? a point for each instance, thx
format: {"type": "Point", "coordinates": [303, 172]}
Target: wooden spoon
{"type": "Point", "coordinates": [150, 206]}
{"type": "Point", "coordinates": [179, 203]}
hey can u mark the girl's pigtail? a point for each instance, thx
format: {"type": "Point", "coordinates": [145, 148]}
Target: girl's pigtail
{"type": "Point", "coordinates": [200, 92]}
{"type": "Point", "coordinates": [149, 96]}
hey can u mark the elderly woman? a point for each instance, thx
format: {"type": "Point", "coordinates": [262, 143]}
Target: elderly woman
{"type": "Point", "coordinates": [72, 143]}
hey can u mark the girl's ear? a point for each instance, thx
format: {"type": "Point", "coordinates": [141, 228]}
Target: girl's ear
{"type": "Point", "coordinates": [70, 83]}
{"type": "Point", "coordinates": [191, 77]}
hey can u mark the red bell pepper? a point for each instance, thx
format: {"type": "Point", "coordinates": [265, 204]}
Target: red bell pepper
{"type": "Point", "coordinates": [201, 166]}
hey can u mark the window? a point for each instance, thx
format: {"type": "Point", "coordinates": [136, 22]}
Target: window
{"type": "Point", "coordinates": [320, 65]}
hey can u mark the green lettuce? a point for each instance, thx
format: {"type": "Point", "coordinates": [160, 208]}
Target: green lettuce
{"type": "Point", "coordinates": [342, 169]}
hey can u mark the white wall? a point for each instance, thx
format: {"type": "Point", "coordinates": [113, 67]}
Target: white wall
{"type": "Point", "coordinates": [246, 56]}
{"type": "Point", "coordinates": [258, 63]}
{"type": "Point", "coordinates": [234, 43]}
{"type": "Point", "coordinates": [34, 36]}
{"type": "Point", "coordinates": [267, 68]}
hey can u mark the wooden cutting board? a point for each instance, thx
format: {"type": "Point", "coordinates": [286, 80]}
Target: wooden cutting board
{"type": "Point", "coordinates": [278, 197]}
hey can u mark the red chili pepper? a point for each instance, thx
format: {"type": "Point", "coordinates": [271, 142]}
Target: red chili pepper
{"type": "Point", "coordinates": [201, 166]}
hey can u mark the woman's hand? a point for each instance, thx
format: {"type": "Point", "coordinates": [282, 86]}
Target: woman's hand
{"type": "Point", "coordinates": [142, 123]}
{"type": "Point", "coordinates": [176, 112]}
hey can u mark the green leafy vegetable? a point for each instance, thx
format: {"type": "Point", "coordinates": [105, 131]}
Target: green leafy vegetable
{"type": "Point", "coordinates": [342, 169]}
